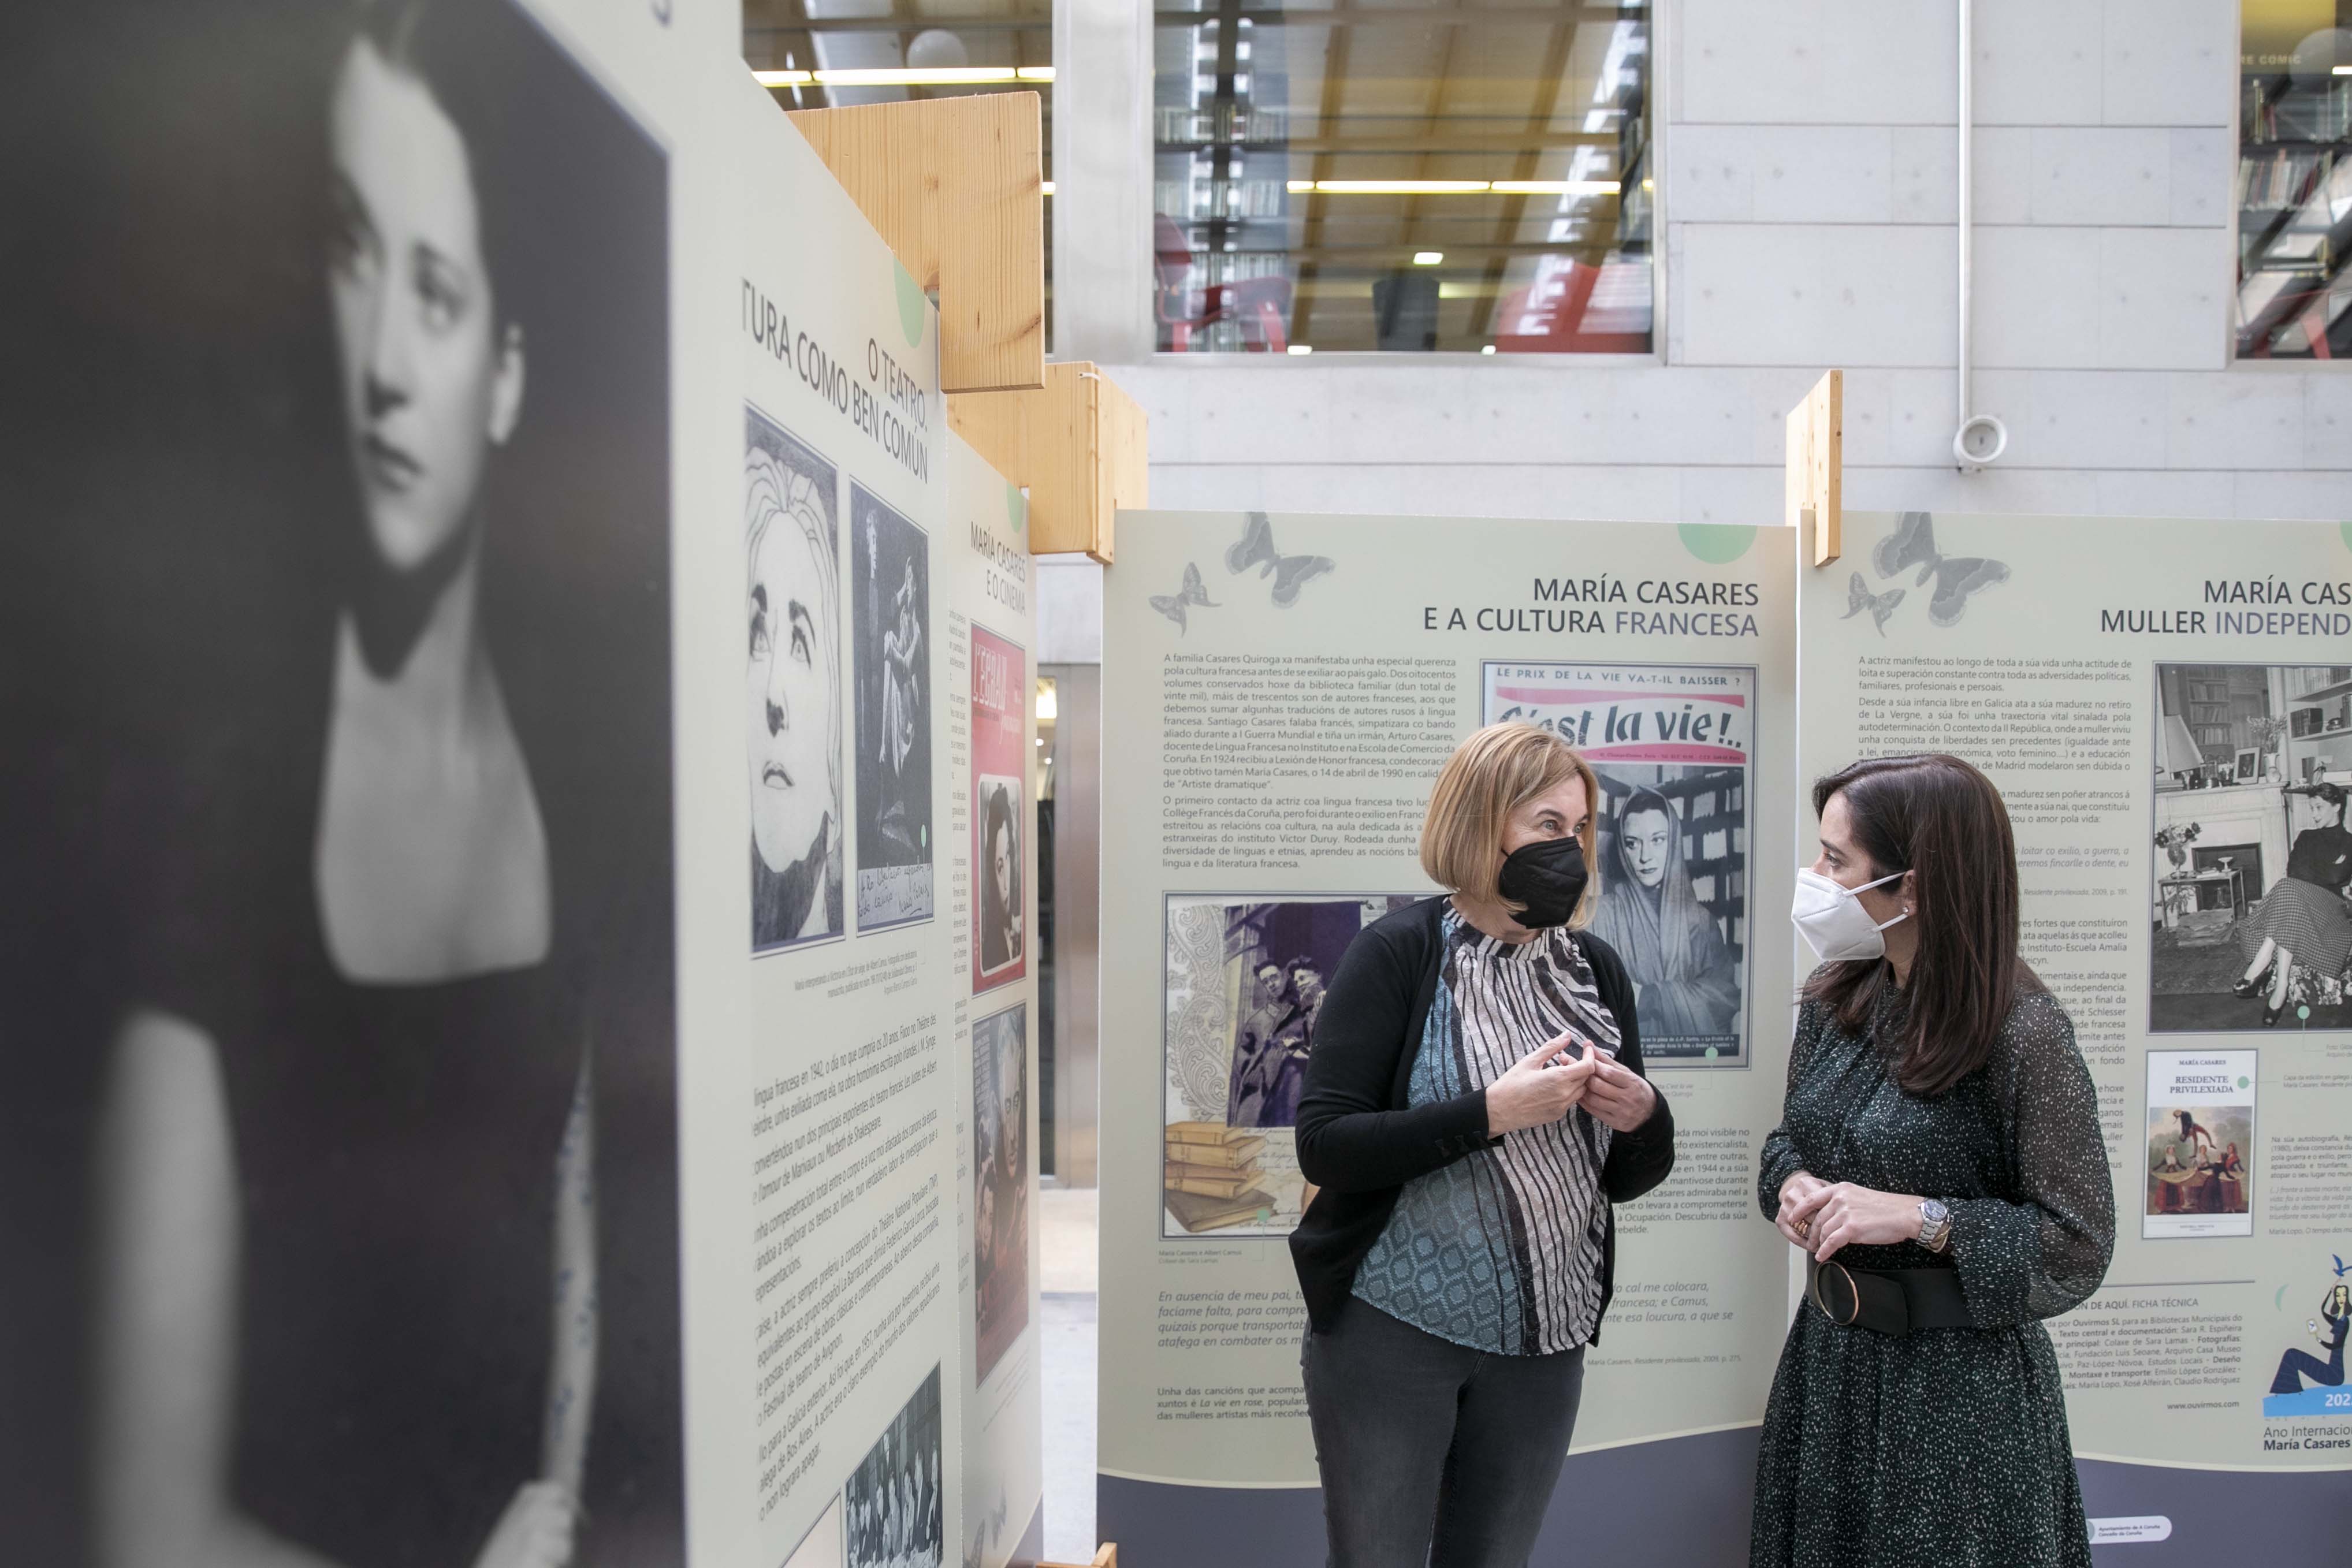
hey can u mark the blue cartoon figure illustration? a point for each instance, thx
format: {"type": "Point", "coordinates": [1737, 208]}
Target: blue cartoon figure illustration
{"type": "Point", "coordinates": [2307, 1384]}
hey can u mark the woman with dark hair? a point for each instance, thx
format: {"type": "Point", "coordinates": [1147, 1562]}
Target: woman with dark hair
{"type": "Point", "coordinates": [1000, 886]}
{"type": "Point", "coordinates": [1685, 987]}
{"type": "Point", "coordinates": [351, 1297]}
{"type": "Point", "coordinates": [2304, 919]}
{"type": "Point", "coordinates": [1939, 1159]}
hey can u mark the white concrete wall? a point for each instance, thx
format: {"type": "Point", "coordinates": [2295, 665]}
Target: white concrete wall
{"type": "Point", "coordinates": [1809, 150]}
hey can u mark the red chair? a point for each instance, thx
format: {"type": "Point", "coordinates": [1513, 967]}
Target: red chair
{"type": "Point", "coordinates": [1259, 306]}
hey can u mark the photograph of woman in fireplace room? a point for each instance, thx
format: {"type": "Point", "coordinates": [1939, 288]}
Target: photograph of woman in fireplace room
{"type": "Point", "coordinates": [2250, 899]}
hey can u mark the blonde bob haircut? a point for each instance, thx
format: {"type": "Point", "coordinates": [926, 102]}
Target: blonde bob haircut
{"type": "Point", "coordinates": [1490, 775]}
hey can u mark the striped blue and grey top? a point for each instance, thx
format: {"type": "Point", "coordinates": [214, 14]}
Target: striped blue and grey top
{"type": "Point", "coordinates": [1501, 1250]}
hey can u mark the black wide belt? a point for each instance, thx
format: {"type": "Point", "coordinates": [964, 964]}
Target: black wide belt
{"type": "Point", "coordinates": [1887, 1300]}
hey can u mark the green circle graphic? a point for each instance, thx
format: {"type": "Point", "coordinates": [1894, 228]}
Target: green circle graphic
{"type": "Point", "coordinates": [2345, 529]}
{"type": "Point", "coordinates": [1718, 544]}
{"type": "Point", "coordinates": [1016, 507]}
{"type": "Point", "coordinates": [910, 304]}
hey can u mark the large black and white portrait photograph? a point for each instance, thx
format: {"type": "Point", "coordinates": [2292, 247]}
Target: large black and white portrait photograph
{"type": "Point", "coordinates": [792, 691]}
{"type": "Point", "coordinates": [1000, 1184]}
{"type": "Point", "coordinates": [2249, 857]}
{"type": "Point", "coordinates": [360, 673]}
{"type": "Point", "coordinates": [894, 1507]}
{"type": "Point", "coordinates": [890, 617]}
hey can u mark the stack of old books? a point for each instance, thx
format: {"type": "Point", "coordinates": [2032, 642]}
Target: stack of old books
{"type": "Point", "coordinates": [1213, 1175]}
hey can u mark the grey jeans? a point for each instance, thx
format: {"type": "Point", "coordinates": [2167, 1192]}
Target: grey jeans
{"type": "Point", "coordinates": [1432, 1453]}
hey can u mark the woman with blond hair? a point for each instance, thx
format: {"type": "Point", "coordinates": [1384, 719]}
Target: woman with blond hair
{"type": "Point", "coordinates": [1474, 1105]}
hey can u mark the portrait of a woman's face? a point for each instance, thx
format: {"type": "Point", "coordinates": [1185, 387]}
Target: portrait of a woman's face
{"type": "Point", "coordinates": [430, 380]}
{"type": "Point", "coordinates": [792, 718]}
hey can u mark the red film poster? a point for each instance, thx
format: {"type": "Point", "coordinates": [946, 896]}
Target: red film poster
{"type": "Point", "coordinates": [999, 772]}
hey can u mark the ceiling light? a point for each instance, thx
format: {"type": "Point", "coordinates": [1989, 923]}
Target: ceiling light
{"type": "Point", "coordinates": [1452, 187]}
{"type": "Point", "coordinates": [1427, 257]}
{"type": "Point", "coordinates": [1302, 348]}
{"type": "Point", "coordinates": [1557, 187]}
{"type": "Point", "coordinates": [1049, 187]}
{"type": "Point", "coordinates": [2344, 70]}
{"type": "Point", "coordinates": [1388, 187]}
{"type": "Point", "coordinates": [1487, 349]}
{"type": "Point", "coordinates": [907, 76]}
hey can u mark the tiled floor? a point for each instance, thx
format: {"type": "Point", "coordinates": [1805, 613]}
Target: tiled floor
{"type": "Point", "coordinates": [1067, 1348]}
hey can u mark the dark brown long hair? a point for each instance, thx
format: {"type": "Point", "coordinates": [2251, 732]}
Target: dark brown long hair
{"type": "Point", "coordinates": [1940, 819]}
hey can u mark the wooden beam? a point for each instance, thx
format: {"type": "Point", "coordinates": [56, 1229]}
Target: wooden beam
{"type": "Point", "coordinates": [1815, 484]}
{"type": "Point", "coordinates": [1077, 446]}
{"type": "Point", "coordinates": [956, 186]}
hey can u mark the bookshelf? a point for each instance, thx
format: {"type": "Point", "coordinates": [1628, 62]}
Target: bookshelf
{"type": "Point", "coordinates": [2294, 196]}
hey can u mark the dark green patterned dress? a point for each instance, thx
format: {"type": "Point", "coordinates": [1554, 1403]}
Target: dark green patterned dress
{"type": "Point", "coordinates": [1948, 1447]}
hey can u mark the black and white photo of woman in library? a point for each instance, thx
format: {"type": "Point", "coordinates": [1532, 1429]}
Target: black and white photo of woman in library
{"type": "Point", "coordinates": [1685, 975]}
{"type": "Point", "coordinates": [2250, 901]}
{"type": "Point", "coordinates": [387, 1199]}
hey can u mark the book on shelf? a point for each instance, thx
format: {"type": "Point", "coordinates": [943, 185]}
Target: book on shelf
{"type": "Point", "coordinates": [1229, 1156]}
{"type": "Point", "coordinates": [1197, 1212]}
{"type": "Point", "coordinates": [1207, 1133]}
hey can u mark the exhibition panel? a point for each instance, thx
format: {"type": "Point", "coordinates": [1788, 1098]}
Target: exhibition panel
{"type": "Point", "coordinates": [1280, 691]}
{"type": "Point", "coordinates": [2160, 704]}
{"type": "Point", "coordinates": [456, 1156]}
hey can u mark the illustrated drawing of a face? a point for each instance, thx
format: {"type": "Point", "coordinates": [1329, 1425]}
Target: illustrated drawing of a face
{"type": "Point", "coordinates": [1645, 835]}
{"type": "Point", "coordinates": [430, 380]}
{"type": "Point", "coordinates": [792, 687]}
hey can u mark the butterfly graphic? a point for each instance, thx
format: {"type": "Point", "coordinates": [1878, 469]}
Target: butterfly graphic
{"type": "Point", "coordinates": [1913, 543]}
{"type": "Point", "coordinates": [1194, 591]}
{"type": "Point", "coordinates": [1858, 598]}
{"type": "Point", "coordinates": [1290, 572]}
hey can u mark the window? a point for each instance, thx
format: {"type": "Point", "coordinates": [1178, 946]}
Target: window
{"type": "Point", "coordinates": [1412, 176]}
{"type": "Point", "coordinates": [830, 54]}
{"type": "Point", "coordinates": [2294, 179]}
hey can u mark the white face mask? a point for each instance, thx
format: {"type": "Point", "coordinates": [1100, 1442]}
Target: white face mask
{"type": "Point", "coordinates": [1833, 920]}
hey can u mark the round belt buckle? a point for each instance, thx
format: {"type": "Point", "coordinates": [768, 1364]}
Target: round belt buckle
{"type": "Point", "coordinates": [1835, 1293]}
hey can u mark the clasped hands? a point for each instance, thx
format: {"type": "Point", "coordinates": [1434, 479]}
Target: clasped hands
{"type": "Point", "coordinates": [1823, 1216]}
{"type": "Point", "coordinates": [1545, 1085]}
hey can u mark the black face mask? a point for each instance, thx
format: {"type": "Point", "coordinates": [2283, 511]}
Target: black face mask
{"type": "Point", "coordinates": [1549, 877]}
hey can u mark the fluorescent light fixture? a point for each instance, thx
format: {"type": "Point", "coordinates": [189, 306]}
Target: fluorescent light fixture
{"type": "Point", "coordinates": [1302, 348]}
{"type": "Point", "coordinates": [1427, 257]}
{"type": "Point", "coordinates": [1452, 187]}
{"type": "Point", "coordinates": [1049, 187]}
{"type": "Point", "coordinates": [1486, 349]}
{"type": "Point", "coordinates": [2344, 70]}
{"type": "Point", "coordinates": [1557, 187]}
{"type": "Point", "coordinates": [1388, 187]}
{"type": "Point", "coordinates": [907, 76]}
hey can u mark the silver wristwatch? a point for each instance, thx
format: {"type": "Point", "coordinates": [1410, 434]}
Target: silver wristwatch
{"type": "Point", "coordinates": [1935, 1225]}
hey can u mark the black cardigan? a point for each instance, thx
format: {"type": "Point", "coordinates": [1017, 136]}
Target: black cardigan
{"type": "Point", "coordinates": [1360, 1143]}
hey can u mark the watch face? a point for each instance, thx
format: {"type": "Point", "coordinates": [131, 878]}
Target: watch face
{"type": "Point", "coordinates": [1935, 1212]}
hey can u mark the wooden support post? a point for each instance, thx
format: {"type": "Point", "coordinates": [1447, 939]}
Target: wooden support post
{"type": "Point", "coordinates": [956, 187]}
{"type": "Point", "coordinates": [1079, 446]}
{"type": "Point", "coordinates": [1815, 484]}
